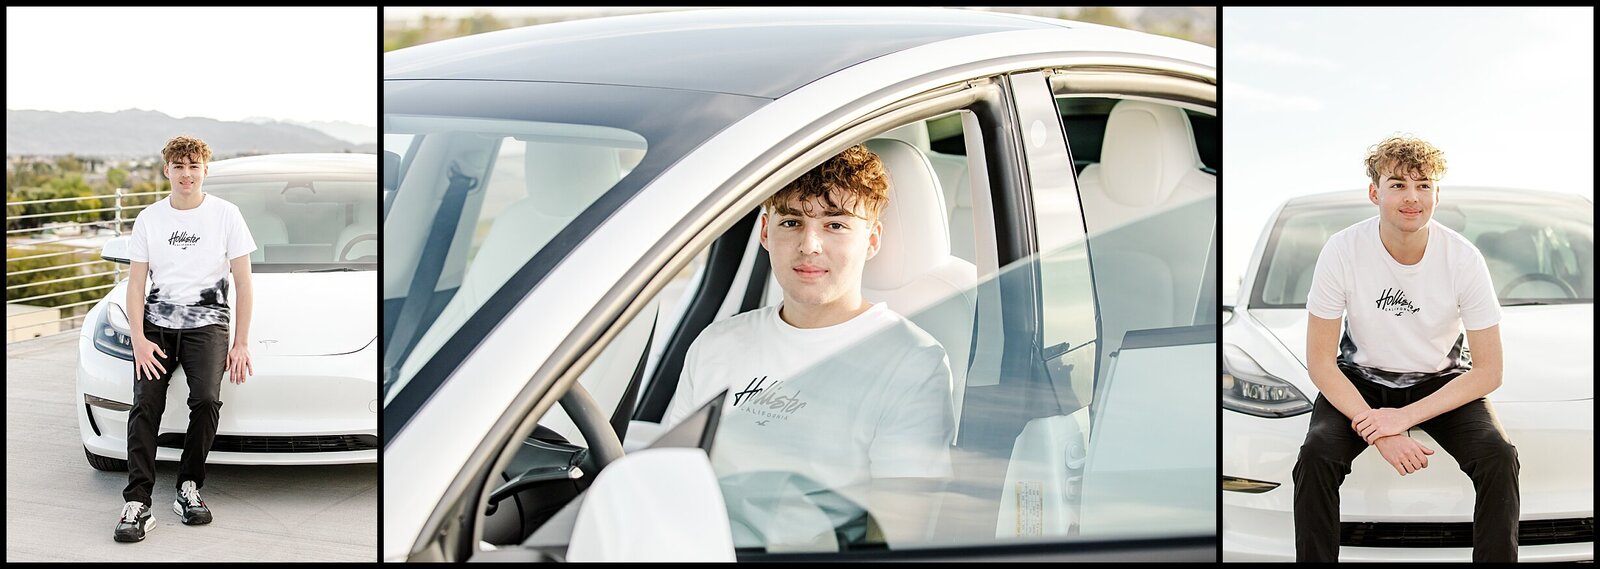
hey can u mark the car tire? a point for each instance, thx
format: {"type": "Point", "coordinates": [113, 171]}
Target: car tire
{"type": "Point", "coordinates": [104, 463]}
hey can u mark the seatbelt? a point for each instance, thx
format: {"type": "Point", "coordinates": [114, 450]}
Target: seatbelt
{"type": "Point", "coordinates": [624, 411]}
{"type": "Point", "coordinates": [759, 271]}
{"type": "Point", "coordinates": [428, 268]}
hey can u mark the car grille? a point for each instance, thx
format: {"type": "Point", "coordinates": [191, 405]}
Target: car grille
{"type": "Point", "coordinates": [313, 443]}
{"type": "Point", "coordinates": [1459, 534]}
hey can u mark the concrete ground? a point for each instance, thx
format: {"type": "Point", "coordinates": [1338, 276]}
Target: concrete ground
{"type": "Point", "coordinates": [58, 508]}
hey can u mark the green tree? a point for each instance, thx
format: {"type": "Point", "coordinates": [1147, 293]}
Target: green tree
{"type": "Point", "coordinates": [13, 278]}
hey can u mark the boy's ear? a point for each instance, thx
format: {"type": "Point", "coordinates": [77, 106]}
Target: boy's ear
{"type": "Point", "coordinates": [875, 240]}
{"type": "Point", "coordinates": [764, 232]}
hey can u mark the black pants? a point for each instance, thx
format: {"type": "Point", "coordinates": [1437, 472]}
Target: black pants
{"type": "Point", "coordinates": [1470, 433]}
{"type": "Point", "coordinates": [203, 353]}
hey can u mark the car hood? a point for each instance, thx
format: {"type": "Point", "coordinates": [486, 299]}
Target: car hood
{"type": "Point", "coordinates": [307, 314]}
{"type": "Point", "coordinates": [1548, 350]}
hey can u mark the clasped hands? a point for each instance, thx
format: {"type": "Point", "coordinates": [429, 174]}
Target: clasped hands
{"type": "Point", "coordinates": [1381, 427]}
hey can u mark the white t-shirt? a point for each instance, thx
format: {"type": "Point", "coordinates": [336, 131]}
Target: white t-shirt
{"type": "Point", "coordinates": [1403, 322]}
{"type": "Point", "coordinates": [866, 398]}
{"type": "Point", "coordinates": [189, 251]}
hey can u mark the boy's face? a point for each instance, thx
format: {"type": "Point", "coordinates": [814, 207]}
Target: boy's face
{"type": "Point", "coordinates": [819, 258]}
{"type": "Point", "coordinates": [1404, 202]}
{"type": "Point", "coordinates": [187, 174]}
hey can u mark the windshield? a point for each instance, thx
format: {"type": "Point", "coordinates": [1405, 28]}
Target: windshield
{"type": "Point", "coordinates": [307, 222]}
{"type": "Point", "coordinates": [1539, 250]}
{"type": "Point", "coordinates": [484, 175]}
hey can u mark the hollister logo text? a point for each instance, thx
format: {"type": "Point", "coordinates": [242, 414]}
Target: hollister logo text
{"type": "Point", "coordinates": [767, 402]}
{"type": "Point", "coordinates": [183, 239]}
{"type": "Point", "coordinates": [1394, 300]}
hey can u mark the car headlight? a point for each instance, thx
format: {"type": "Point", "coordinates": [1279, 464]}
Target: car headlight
{"type": "Point", "coordinates": [111, 335]}
{"type": "Point", "coordinates": [1248, 389]}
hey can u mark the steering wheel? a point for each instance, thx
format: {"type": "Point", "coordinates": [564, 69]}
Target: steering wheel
{"type": "Point", "coordinates": [595, 425]}
{"type": "Point", "coordinates": [604, 448]}
{"type": "Point", "coordinates": [1531, 277]}
{"type": "Point", "coordinates": [359, 238]}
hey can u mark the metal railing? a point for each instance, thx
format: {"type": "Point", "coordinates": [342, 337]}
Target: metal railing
{"type": "Point", "coordinates": [121, 213]}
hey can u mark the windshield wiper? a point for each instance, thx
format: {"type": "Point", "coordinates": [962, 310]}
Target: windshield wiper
{"type": "Point", "coordinates": [327, 270]}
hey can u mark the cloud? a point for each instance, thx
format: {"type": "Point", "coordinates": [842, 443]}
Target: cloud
{"type": "Point", "coordinates": [1259, 100]}
{"type": "Point", "coordinates": [1250, 52]}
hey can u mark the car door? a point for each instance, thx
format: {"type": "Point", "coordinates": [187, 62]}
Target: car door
{"type": "Point", "coordinates": [1127, 296]}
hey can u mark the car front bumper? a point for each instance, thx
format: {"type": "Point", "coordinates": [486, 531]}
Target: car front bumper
{"type": "Point", "coordinates": [290, 404]}
{"type": "Point", "coordinates": [1555, 447]}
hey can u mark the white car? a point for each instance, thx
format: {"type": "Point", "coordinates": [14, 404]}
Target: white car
{"type": "Point", "coordinates": [313, 397]}
{"type": "Point", "coordinates": [569, 205]}
{"type": "Point", "coordinates": [1540, 251]}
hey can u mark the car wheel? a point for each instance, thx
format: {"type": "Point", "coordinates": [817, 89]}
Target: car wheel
{"type": "Point", "coordinates": [104, 463]}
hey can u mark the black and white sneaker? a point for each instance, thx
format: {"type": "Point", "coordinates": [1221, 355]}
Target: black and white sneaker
{"type": "Point", "coordinates": [134, 522]}
{"type": "Point", "coordinates": [190, 507]}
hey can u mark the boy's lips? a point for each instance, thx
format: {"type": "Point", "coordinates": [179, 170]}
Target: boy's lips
{"type": "Point", "coordinates": [810, 271]}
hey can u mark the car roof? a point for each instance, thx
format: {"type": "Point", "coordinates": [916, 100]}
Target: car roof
{"type": "Point", "coordinates": [298, 163]}
{"type": "Point", "coordinates": [759, 52]}
{"type": "Point", "coordinates": [1447, 194]}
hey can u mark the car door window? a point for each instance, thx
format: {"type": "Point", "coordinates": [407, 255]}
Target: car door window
{"type": "Point", "coordinates": [1125, 219]}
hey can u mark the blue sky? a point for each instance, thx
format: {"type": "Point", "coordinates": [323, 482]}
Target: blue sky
{"type": "Point", "coordinates": [1507, 94]}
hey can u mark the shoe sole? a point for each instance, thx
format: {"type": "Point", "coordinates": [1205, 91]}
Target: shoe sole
{"type": "Point", "coordinates": [177, 508]}
{"type": "Point", "coordinates": [149, 525]}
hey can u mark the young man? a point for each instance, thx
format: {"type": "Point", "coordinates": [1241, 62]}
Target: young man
{"type": "Point", "coordinates": [1406, 286]}
{"type": "Point", "coordinates": [186, 245]}
{"type": "Point", "coordinates": [847, 394]}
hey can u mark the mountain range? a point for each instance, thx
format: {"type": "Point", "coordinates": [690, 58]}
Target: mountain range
{"type": "Point", "coordinates": [135, 133]}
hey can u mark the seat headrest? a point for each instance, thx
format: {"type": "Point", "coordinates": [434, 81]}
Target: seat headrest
{"type": "Point", "coordinates": [1148, 149]}
{"type": "Point", "coordinates": [915, 134]}
{"type": "Point", "coordinates": [916, 236]}
{"type": "Point", "coordinates": [564, 179]}
{"type": "Point", "coordinates": [1520, 248]}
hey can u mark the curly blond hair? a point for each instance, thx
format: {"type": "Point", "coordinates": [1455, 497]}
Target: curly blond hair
{"type": "Point", "coordinates": [185, 147]}
{"type": "Point", "coordinates": [857, 174]}
{"type": "Point", "coordinates": [1405, 155]}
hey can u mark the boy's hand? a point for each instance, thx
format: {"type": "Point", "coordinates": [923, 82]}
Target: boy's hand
{"type": "Point", "coordinates": [1374, 424]}
{"type": "Point", "coordinates": [239, 366]}
{"type": "Point", "coordinates": [1405, 454]}
{"type": "Point", "coordinates": [145, 364]}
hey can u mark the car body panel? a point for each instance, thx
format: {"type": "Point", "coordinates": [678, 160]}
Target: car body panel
{"type": "Point", "coordinates": [462, 420]}
{"type": "Point", "coordinates": [1545, 404]}
{"type": "Point", "coordinates": [313, 344]}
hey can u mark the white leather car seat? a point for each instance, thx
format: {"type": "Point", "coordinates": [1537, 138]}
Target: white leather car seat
{"type": "Point", "coordinates": [266, 228]}
{"type": "Point", "coordinates": [561, 180]}
{"type": "Point", "coordinates": [1148, 163]}
{"type": "Point", "coordinates": [366, 223]}
{"type": "Point", "coordinates": [914, 271]}
{"type": "Point", "coordinates": [951, 171]}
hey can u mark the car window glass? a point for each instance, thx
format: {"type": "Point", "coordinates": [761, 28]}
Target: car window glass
{"type": "Point", "coordinates": [303, 221]}
{"type": "Point", "coordinates": [1536, 249]}
{"type": "Point", "coordinates": [488, 195]}
{"type": "Point", "coordinates": [1124, 291]}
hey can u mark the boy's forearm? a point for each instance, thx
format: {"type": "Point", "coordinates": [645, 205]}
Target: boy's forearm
{"type": "Point", "coordinates": [135, 304]}
{"type": "Point", "coordinates": [1459, 391]}
{"type": "Point", "coordinates": [1337, 388]}
{"type": "Point", "coordinates": [241, 335]}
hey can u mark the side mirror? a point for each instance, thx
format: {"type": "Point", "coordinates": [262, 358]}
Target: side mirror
{"type": "Point", "coordinates": [658, 504]}
{"type": "Point", "coordinates": [116, 250]}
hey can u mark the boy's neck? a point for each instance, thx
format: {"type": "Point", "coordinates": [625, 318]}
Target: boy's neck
{"type": "Point", "coordinates": [822, 315]}
{"type": "Point", "coordinates": [181, 202]}
{"type": "Point", "coordinates": [1404, 248]}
